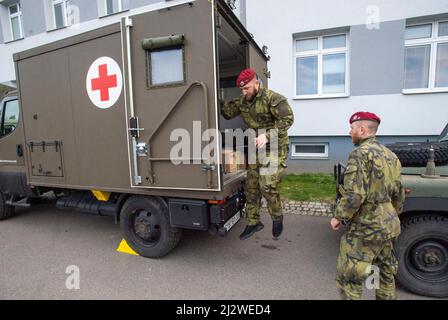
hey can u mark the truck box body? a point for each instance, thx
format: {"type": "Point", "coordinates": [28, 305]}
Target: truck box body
{"type": "Point", "coordinates": [72, 143]}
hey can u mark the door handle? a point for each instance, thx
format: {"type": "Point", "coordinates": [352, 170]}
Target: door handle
{"type": "Point", "coordinates": [134, 129]}
{"type": "Point", "coordinates": [19, 150]}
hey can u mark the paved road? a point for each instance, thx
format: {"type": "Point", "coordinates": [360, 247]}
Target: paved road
{"type": "Point", "coordinates": [38, 244]}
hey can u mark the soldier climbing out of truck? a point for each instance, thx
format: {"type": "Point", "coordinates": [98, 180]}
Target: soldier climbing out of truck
{"type": "Point", "coordinates": [262, 109]}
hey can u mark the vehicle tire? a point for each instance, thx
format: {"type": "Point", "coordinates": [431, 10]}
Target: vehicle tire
{"type": "Point", "coordinates": [145, 224]}
{"type": "Point", "coordinates": [416, 154]}
{"type": "Point", "coordinates": [422, 253]}
{"type": "Point", "coordinates": [6, 211]}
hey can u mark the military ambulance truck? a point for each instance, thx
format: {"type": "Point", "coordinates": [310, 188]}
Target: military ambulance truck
{"type": "Point", "coordinates": [422, 247]}
{"type": "Point", "coordinates": [93, 120]}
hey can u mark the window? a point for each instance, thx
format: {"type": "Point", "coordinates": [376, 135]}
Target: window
{"type": "Point", "coordinates": [426, 58]}
{"type": "Point", "coordinates": [165, 60]}
{"type": "Point", "coordinates": [15, 18]}
{"type": "Point", "coordinates": [321, 66]}
{"type": "Point", "coordinates": [113, 6]}
{"type": "Point", "coordinates": [9, 117]}
{"type": "Point", "coordinates": [166, 67]}
{"type": "Point", "coordinates": [308, 150]}
{"type": "Point", "coordinates": [60, 13]}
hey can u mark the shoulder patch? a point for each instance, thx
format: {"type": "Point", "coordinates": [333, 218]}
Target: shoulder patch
{"type": "Point", "coordinates": [276, 98]}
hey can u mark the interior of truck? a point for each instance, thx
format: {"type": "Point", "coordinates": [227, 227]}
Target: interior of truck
{"type": "Point", "coordinates": [232, 57]}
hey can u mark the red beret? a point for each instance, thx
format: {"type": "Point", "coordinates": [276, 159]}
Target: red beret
{"type": "Point", "coordinates": [244, 77]}
{"type": "Point", "coordinates": [362, 115]}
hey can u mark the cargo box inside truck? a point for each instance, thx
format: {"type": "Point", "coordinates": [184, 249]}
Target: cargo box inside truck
{"type": "Point", "coordinates": [124, 121]}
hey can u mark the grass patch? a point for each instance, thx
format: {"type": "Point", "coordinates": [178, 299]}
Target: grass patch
{"type": "Point", "coordinates": [308, 187]}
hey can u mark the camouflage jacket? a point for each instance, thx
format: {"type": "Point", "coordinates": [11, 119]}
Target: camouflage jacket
{"type": "Point", "coordinates": [372, 195]}
{"type": "Point", "coordinates": [268, 110]}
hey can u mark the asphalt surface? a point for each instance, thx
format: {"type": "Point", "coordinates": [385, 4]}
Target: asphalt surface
{"type": "Point", "coordinates": [39, 243]}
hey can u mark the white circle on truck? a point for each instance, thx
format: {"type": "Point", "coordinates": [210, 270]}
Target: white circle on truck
{"type": "Point", "coordinates": [104, 82]}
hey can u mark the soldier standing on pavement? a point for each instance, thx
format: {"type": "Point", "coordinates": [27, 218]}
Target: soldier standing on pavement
{"type": "Point", "coordinates": [266, 112]}
{"type": "Point", "coordinates": [372, 199]}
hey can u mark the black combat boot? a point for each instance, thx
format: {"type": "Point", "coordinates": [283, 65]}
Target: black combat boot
{"type": "Point", "coordinates": [250, 230]}
{"type": "Point", "coordinates": [277, 227]}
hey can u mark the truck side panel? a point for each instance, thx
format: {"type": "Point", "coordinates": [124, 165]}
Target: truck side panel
{"type": "Point", "coordinates": [91, 142]}
{"type": "Point", "coordinates": [47, 113]}
{"type": "Point", "coordinates": [100, 134]}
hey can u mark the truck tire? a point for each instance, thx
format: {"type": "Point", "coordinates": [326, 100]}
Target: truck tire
{"type": "Point", "coordinates": [145, 224]}
{"type": "Point", "coordinates": [422, 253]}
{"type": "Point", "coordinates": [6, 211]}
{"type": "Point", "coordinates": [416, 155]}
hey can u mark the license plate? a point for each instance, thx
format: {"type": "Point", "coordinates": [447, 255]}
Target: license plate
{"type": "Point", "coordinates": [232, 221]}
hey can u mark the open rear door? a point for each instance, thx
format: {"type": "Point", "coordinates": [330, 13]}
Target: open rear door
{"type": "Point", "coordinates": [258, 62]}
{"type": "Point", "coordinates": [170, 80]}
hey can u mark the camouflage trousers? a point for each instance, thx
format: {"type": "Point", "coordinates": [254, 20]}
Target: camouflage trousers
{"type": "Point", "coordinates": [262, 181]}
{"type": "Point", "coordinates": [357, 264]}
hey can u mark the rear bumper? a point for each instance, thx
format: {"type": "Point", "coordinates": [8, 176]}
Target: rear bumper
{"type": "Point", "coordinates": [223, 217]}
{"type": "Point", "coordinates": [217, 217]}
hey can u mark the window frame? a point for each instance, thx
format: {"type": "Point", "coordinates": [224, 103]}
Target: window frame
{"type": "Point", "coordinates": [64, 13]}
{"type": "Point", "coordinates": [149, 84]}
{"type": "Point", "coordinates": [18, 15]}
{"type": "Point", "coordinates": [434, 42]}
{"type": "Point", "coordinates": [295, 155]}
{"type": "Point", "coordinates": [2, 118]}
{"type": "Point", "coordinates": [120, 8]}
{"type": "Point", "coordinates": [320, 53]}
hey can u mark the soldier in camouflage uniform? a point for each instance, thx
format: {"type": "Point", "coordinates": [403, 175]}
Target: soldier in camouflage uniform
{"type": "Point", "coordinates": [268, 113]}
{"type": "Point", "coordinates": [372, 199]}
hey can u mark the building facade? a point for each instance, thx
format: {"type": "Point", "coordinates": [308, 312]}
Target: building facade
{"type": "Point", "coordinates": [332, 58]}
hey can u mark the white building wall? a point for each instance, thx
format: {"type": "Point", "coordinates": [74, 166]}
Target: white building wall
{"type": "Point", "coordinates": [273, 23]}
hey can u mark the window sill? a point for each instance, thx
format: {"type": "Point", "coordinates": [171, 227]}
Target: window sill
{"type": "Point", "coordinates": [15, 40]}
{"type": "Point", "coordinates": [422, 91]}
{"type": "Point", "coordinates": [113, 14]}
{"type": "Point", "coordinates": [308, 158]}
{"type": "Point", "coordinates": [309, 97]}
{"type": "Point", "coordinates": [56, 29]}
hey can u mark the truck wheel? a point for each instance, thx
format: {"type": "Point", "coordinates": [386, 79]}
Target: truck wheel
{"type": "Point", "coordinates": [6, 211]}
{"type": "Point", "coordinates": [146, 227]}
{"type": "Point", "coordinates": [422, 252]}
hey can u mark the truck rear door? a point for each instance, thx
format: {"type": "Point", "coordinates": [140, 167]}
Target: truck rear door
{"type": "Point", "coordinates": [258, 62]}
{"type": "Point", "coordinates": [170, 86]}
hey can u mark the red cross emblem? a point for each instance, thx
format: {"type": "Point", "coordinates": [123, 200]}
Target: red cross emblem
{"type": "Point", "coordinates": [104, 82]}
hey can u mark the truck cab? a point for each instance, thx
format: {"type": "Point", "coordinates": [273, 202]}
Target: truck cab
{"type": "Point", "coordinates": [12, 162]}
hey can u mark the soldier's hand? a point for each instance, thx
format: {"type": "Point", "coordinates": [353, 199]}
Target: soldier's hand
{"type": "Point", "coordinates": [335, 224]}
{"type": "Point", "coordinates": [261, 141]}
